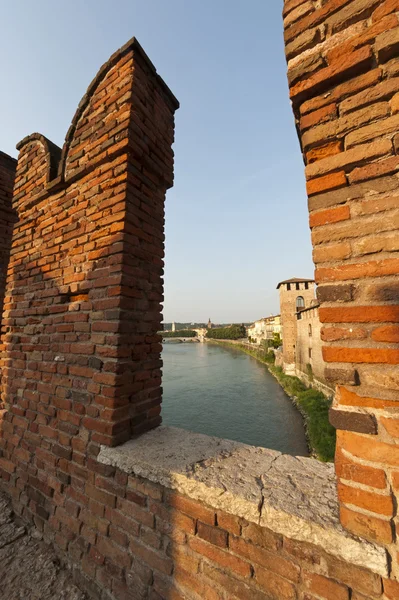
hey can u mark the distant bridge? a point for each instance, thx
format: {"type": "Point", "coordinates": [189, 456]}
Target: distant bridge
{"type": "Point", "coordinates": [181, 340]}
{"type": "Point", "coordinates": [201, 333]}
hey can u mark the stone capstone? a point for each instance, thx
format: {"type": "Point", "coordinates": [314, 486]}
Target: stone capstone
{"type": "Point", "coordinates": [292, 496]}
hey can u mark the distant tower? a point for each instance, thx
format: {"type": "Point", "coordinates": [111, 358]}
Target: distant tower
{"type": "Point", "coordinates": [209, 326]}
{"type": "Point", "coordinates": [295, 295]}
{"type": "Point", "coordinates": [173, 326]}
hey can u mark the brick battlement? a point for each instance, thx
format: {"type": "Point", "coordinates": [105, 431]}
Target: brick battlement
{"type": "Point", "coordinates": [84, 279]}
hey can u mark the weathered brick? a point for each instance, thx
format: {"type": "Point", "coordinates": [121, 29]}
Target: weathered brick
{"type": "Point", "coordinates": [377, 503]}
{"type": "Point", "coordinates": [332, 252]}
{"type": "Point", "coordinates": [327, 182]}
{"type": "Point", "coordinates": [276, 587]}
{"type": "Point", "coordinates": [391, 425]}
{"type": "Point", "coordinates": [261, 536]}
{"type": "Point", "coordinates": [355, 577]}
{"type": "Point", "coordinates": [372, 268]}
{"type": "Point", "coordinates": [229, 523]}
{"type": "Point", "coordinates": [322, 152]}
{"type": "Point", "coordinates": [333, 334]}
{"type": "Point", "coordinates": [386, 333]}
{"type": "Point", "coordinates": [343, 90]}
{"type": "Point", "coordinates": [369, 449]}
{"type": "Point", "coordinates": [359, 314]}
{"type": "Point", "coordinates": [360, 355]}
{"type": "Point", "coordinates": [191, 508]}
{"type": "Point", "coordinates": [113, 552]}
{"type": "Point", "coordinates": [220, 557]}
{"type": "Point", "coordinates": [349, 398]}
{"type": "Point", "coordinates": [385, 8]}
{"type": "Point", "coordinates": [353, 471]}
{"type": "Point", "coordinates": [326, 113]}
{"type": "Point", "coordinates": [371, 528]}
{"type": "Point", "coordinates": [353, 64]}
{"type": "Point", "coordinates": [375, 169]}
{"type": "Point", "coordinates": [154, 559]}
{"type": "Point", "coordinates": [382, 91]}
{"type": "Point", "coordinates": [233, 587]}
{"type": "Point", "coordinates": [387, 45]}
{"type": "Point", "coordinates": [331, 215]}
{"type": "Point", "coordinates": [391, 589]}
{"type": "Point", "coordinates": [213, 535]}
{"type": "Point", "coordinates": [325, 587]}
{"type": "Point", "coordinates": [353, 421]}
{"type": "Point", "coordinates": [262, 557]}
{"type": "Point", "coordinates": [349, 158]}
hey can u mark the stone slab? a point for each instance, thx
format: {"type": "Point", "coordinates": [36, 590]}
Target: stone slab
{"type": "Point", "coordinates": [293, 496]}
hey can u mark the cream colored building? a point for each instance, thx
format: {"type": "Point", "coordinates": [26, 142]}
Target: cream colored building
{"type": "Point", "coordinates": [273, 326]}
{"type": "Point", "coordinates": [264, 329]}
{"type": "Point", "coordinates": [257, 331]}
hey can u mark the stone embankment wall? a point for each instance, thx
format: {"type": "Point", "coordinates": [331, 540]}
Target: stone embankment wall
{"type": "Point", "coordinates": [309, 348]}
{"type": "Point", "coordinates": [169, 514]}
{"type": "Point", "coordinates": [343, 71]}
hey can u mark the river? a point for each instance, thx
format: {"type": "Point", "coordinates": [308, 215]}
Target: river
{"type": "Point", "coordinates": [226, 393]}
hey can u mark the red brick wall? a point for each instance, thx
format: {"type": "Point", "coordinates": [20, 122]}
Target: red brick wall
{"type": "Point", "coordinates": [82, 356]}
{"type": "Point", "coordinates": [7, 218]}
{"type": "Point", "coordinates": [136, 539]}
{"type": "Point", "coordinates": [343, 70]}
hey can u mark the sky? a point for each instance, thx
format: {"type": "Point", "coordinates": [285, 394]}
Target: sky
{"type": "Point", "coordinates": [236, 218]}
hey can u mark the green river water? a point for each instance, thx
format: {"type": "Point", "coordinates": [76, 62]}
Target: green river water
{"type": "Point", "coordinates": [224, 392]}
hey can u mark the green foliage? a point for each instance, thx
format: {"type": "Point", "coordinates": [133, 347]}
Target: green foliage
{"type": "Point", "coordinates": [322, 435]}
{"type": "Point", "coordinates": [277, 341]}
{"type": "Point", "coordinates": [309, 371]}
{"type": "Point", "coordinates": [314, 406]}
{"type": "Point", "coordinates": [180, 333]}
{"type": "Point", "coordinates": [235, 332]}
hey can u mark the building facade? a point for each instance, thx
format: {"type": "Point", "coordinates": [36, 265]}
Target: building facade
{"type": "Point", "coordinates": [295, 295]}
{"type": "Point", "coordinates": [264, 329]}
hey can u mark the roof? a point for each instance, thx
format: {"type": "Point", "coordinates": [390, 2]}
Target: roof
{"type": "Point", "coordinates": [296, 280]}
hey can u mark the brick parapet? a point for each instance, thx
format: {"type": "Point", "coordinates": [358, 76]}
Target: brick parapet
{"type": "Point", "coordinates": [148, 519]}
{"type": "Point", "coordinates": [343, 67]}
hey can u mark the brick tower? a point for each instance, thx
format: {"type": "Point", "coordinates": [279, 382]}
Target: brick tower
{"type": "Point", "coordinates": [295, 294]}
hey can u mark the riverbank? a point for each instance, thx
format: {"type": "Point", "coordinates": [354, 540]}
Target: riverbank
{"type": "Point", "coordinates": [312, 404]}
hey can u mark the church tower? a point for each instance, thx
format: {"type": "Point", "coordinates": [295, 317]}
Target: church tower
{"type": "Point", "coordinates": [209, 326]}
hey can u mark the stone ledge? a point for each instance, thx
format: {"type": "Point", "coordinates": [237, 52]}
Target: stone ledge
{"type": "Point", "coordinates": [292, 496]}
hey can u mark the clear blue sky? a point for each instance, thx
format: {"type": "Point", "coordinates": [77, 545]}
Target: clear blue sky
{"type": "Point", "coordinates": [236, 220]}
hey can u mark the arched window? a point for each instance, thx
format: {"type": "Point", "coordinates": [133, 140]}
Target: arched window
{"type": "Point", "coordinates": [300, 302]}
{"type": "Point", "coordinates": [310, 330]}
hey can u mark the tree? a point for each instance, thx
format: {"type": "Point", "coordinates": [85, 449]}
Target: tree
{"type": "Point", "coordinates": [234, 332]}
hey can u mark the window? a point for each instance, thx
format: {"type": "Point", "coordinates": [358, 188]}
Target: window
{"type": "Point", "coordinates": [306, 285]}
{"type": "Point", "coordinates": [297, 286]}
{"type": "Point", "coordinates": [288, 286]}
{"type": "Point", "coordinates": [310, 330]}
{"type": "Point", "coordinates": [310, 352]}
{"type": "Point", "coordinates": [300, 302]}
